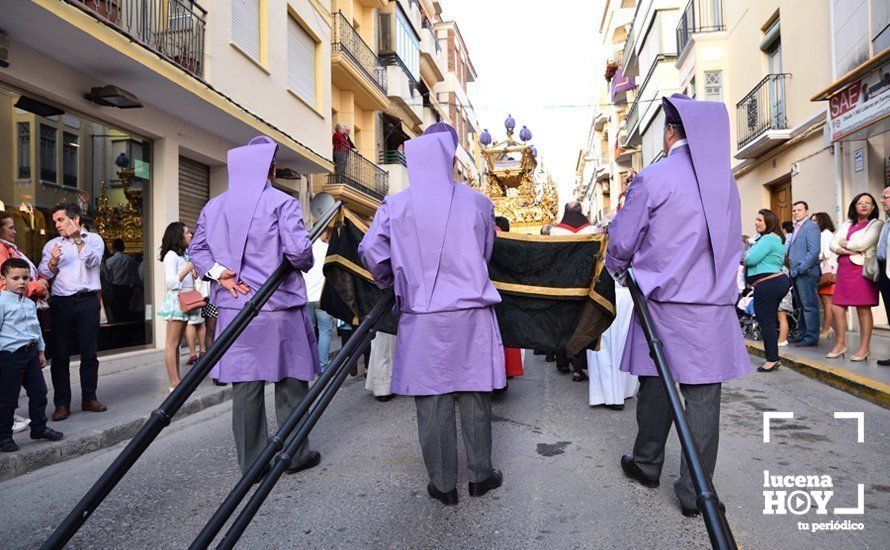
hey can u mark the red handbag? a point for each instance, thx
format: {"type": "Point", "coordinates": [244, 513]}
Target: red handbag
{"type": "Point", "coordinates": [190, 300]}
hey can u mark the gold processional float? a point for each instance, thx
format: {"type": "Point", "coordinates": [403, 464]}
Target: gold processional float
{"type": "Point", "coordinates": [520, 189]}
{"type": "Point", "coordinates": [122, 221]}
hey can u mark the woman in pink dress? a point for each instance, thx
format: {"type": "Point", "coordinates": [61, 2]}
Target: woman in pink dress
{"type": "Point", "coordinates": [855, 243]}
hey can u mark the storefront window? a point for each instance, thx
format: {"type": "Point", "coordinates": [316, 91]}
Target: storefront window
{"type": "Point", "coordinates": [106, 171]}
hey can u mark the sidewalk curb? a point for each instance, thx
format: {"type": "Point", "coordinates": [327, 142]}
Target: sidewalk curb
{"type": "Point", "coordinates": [26, 461]}
{"type": "Point", "coordinates": [860, 386]}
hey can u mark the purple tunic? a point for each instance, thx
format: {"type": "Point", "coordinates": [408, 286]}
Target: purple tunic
{"type": "Point", "coordinates": [433, 241]}
{"type": "Point", "coordinates": [680, 231]}
{"type": "Point", "coordinates": [251, 229]}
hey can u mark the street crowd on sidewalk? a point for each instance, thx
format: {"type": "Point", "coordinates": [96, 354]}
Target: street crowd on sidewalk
{"type": "Point", "coordinates": [790, 272]}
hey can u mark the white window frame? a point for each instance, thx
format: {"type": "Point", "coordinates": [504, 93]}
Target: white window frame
{"type": "Point", "coordinates": [710, 85]}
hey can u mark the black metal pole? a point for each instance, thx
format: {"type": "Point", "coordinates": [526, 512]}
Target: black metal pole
{"type": "Point", "coordinates": [706, 496]}
{"type": "Point", "coordinates": [284, 458]}
{"type": "Point", "coordinates": [162, 416]}
{"type": "Point", "coordinates": [277, 442]}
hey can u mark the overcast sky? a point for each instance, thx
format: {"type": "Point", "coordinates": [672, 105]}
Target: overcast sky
{"type": "Point", "coordinates": [533, 58]}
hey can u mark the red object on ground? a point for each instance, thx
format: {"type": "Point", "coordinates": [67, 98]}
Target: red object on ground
{"type": "Point", "coordinates": [513, 360]}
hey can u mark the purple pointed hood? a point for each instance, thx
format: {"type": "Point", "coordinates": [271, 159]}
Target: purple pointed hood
{"type": "Point", "coordinates": [248, 172]}
{"type": "Point", "coordinates": [706, 124]}
{"type": "Point", "coordinates": [431, 188]}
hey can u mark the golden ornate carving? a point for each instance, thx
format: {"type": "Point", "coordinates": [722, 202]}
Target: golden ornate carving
{"type": "Point", "coordinates": [122, 221]}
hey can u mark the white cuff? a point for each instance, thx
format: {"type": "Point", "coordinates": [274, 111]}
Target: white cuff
{"type": "Point", "coordinates": [216, 272]}
{"type": "Point", "coordinates": [619, 278]}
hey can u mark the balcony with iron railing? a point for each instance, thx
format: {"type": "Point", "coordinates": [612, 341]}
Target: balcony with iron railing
{"type": "Point", "coordinates": [389, 156]}
{"type": "Point", "coordinates": [699, 16]}
{"type": "Point", "coordinates": [358, 173]}
{"type": "Point", "coordinates": [174, 29]}
{"type": "Point", "coordinates": [347, 42]}
{"type": "Point", "coordinates": [761, 117]}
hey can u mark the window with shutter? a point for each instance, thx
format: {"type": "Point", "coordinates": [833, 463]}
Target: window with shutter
{"type": "Point", "coordinates": [194, 190]}
{"type": "Point", "coordinates": [714, 85]}
{"type": "Point", "coordinates": [301, 62]}
{"type": "Point", "coordinates": [246, 26]}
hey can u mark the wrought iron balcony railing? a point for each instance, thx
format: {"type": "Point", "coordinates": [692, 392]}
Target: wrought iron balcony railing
{"type": "Point", "coordinates": [346, 40]}
{"type": "Point", "coordinates": [354, 170]}
{"type": "Point", "coordinates": [762, 109]}
{"type": "Point", "coordinates": [699, 16]}
{"type": "Point", "coordinates": [391, 157]}
{"type": "Point", "coordinates": [172, 28]}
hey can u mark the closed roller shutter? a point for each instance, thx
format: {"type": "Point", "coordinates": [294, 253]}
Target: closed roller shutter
{"type": "Point", "coordinates": [246, 26]}
{"type": "Point", "coordinates": [194, 190]}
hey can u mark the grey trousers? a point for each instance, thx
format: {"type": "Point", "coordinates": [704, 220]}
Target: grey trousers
{"type": "Point", "coordinates": [654, 424]}
{"type": "Point", "coordinates": [438, 436]}
{"type": "Point", "coordinates": [249, 417]}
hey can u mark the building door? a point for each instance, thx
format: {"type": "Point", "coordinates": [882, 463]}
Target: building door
{"type": "Point", "coordinates": [780, 200]}
{"type": "Point", "coordinates": [194, 190]}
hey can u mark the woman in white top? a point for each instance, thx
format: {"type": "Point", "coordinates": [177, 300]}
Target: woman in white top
{"type": "Point", "coordinates": [828, 266]}
{"type": "Point", "coordinates": [178, 276]}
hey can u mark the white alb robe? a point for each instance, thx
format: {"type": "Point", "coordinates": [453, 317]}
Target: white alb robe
{"type": "Point", "coordinates": [383, 349]}
{"type": "Point", "coordinates": [608, 385]}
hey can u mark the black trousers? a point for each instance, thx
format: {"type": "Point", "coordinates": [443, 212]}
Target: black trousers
{"type": "Point", "coordinates": [17, 369]}
{"type": "Point", "coordinates": [884, 286]}
{"type": "Point", "coordinates": [767, 297]}
{"type": "Point", "coordinates": [579, 362]}
{"type": "Point", "coordinates": [74, 325]}
{"type": "Point", "coordinates": [121, 296]}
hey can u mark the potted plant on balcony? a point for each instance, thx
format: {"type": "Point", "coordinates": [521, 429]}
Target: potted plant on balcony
{"type": "Point", "coordinates": [611, 69]}
{"type": "Point", "coordinates": [107, 9]}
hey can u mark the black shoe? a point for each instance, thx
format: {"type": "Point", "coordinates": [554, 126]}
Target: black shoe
{"type": "Point", "coordinates": [550, 358]}
{"type": "Point", "coordinates": [805, 344]}
{"type": "Point", "coordinates": [694, 511]}
{"type": "Point", "coordinates": [633, 471]}
{"type": "Point", "coordinates": [884, 362]}
{"type": "Point", "coordinates": [216, 382]}
{"type": "Point", "coordinates": [448, 499]}
{"type": "Point", "coordinates": [47, 433]}
{"type": "Point", "coordinates": [384, 398]}
{"type": "Point", "coordinates": [8, 446]}
{"type": "Point", "coordinates": [618, 407]}
{"type": "Point", "coordinates": [495, 481]}
{"type": "Point", "coordinates": [314, 460]}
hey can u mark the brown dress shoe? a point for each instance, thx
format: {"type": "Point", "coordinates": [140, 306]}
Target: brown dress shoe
{"type": "Point", "coordinates": [93, 406]}
{"type": "Point", "coordinates": [61, 413]}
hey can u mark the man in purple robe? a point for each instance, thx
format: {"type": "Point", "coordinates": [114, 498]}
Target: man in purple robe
{"type": "Point", "coordinates": [680, 232]}
{"type": "Point", "coordinates": [241, 237]}
{"type": "Point", "coordinates": [433, 242]}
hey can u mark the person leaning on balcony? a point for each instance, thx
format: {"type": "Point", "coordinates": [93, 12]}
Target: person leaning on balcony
{"type": "Point", "coordinates": [764, 263]}
{"type": "Point", "coordinates": [342, 144]}
{"type": "Point", "coordinates": [855, 242]}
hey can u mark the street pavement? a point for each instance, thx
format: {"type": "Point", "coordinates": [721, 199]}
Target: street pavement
{"type": "Point", "coordinates": [563, 486]}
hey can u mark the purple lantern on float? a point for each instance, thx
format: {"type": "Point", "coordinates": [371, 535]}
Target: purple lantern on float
{"type": "Point", "coordinates": [525, 134]}
{"type": "Point", "coordinates": [509, 124]}
{"type": "Point", "coordinates": [122, 161]}
{"type": "Point", "coordinates": [485, 138]}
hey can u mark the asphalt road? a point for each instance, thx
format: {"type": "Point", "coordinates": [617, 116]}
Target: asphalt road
{"type": "Point", "coordinates": [563, 484]}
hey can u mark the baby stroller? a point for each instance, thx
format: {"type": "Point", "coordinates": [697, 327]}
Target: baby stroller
{"type": "Point", "coordinates": [748, 321]}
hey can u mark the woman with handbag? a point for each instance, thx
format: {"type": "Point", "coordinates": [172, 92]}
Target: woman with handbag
{"type": "Point", "coordinates": [855, 243]}
{"type": "Point", "coordinates": [764, 263]}
{"type": "Point", "coordinates": [182, 303]}
{"type": "Point", "coordinates": [828, 266]}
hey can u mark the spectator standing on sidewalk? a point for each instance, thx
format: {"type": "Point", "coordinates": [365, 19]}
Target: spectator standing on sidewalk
{"type": "Point", "coordinates": [72, 262]}
{"type": "Point", "coordinates": [884, 281]}
{"type": "Point", "coordinates": [828, 266]}
{"type": "Point", "coordinates": [21, 356]}
{"type": "Point", "coordinates": [855, 243]}
{"type": "Point", "coordinates": [804, 248]}
{"type": "Point", "coordinates": [322, 322]}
